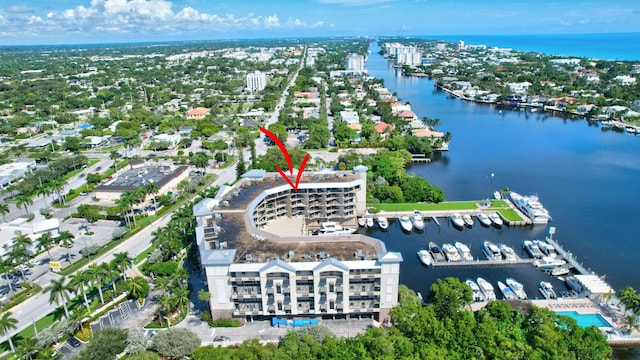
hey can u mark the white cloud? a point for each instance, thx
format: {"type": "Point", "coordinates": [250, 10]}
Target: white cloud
{"type": "Point", "coordinates": [19, 9]}
{"type": "Point", "coordinates": [143, 17]}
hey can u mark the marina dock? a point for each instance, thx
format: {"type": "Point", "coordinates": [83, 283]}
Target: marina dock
{"type": "Point", "coordinates": [568, 257]}
{"type": "Point", "coordinates": [482, 263]}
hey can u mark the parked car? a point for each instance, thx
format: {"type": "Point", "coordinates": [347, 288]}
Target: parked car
{"type": "Point", "coordinates": [73, 341]}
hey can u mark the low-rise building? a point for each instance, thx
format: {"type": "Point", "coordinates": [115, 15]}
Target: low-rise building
{"type": "Point", "coordinates": [197, 113]}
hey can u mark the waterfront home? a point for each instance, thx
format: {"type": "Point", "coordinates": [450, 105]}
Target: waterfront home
{"type": "Point", "coordinates": [383, 129]}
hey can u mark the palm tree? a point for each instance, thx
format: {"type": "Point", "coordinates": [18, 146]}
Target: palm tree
{"type": "Point", "coordinates": [8, 323]}
{"type": "Point", "coordinates": [4, 210]}
{"type": "Point", "coordinates": [204, 296]}
{"type": "Point", "coordinates": [76, 284]}
{"type": "Point", "coordinates": [136, 286]}
{"type": "Point", "coordinates": [164, 306]}
{"type": "Point", "coordinates": [152, 188]}
{"type": "Point", "coordinates": [114, 155]}
{"type": "Point", "coordinates": [181, 297]}
{"type": "Point", "coordinates": [17, 256]}
{"type": "Point", "coordinates": [180, 277]}
{"type": "Point", "coordinates": [163, 283]}
{"type": "Point", "coordinates": [58, 185]}
{"type": "Point", "coordinates": [123, 262]}
{"type": "Point", "coordinates": [66, 240]}
{"type": "Point", "coordinates": [630, 299]}
{"type": "Point", "coordinates": [27, 347]}
{"type": "Point", "coordinates": [126, 201]}
{"type": "Point", "coordinates": [94, 274]}
{"type": "Point", "coordinates": [201, 160]}
{"type": "Point", "coordinates": [59, 292]}
{"type": "Point", "coordinates": [23, 241]}
{"type": "Point", "coordinates": [43, 190]}
{"type": "Point", "coordinates": [631, 322]}
{"type": "Point", "coordinates": [109, 271]}
{"type": "Point", "coordinates": [45, 242]}
{"type": "Point", "coordinates": [5, 268]}
{"type": "Point", "coordinates": [23, 201]}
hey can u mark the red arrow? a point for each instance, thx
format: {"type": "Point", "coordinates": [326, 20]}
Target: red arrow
{"type": "Point", "coordinates": [287, 157]}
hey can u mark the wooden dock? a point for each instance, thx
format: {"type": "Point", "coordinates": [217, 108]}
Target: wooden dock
{"type": "Point", "coordinates": [568, 257]}
{"type": "Point", "coordinates": [482, 263]}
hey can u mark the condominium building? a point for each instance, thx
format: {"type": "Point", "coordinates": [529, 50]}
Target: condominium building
{"type": "Point", "coordinates": [354, 62]}
{"type": "Point", "coordinates": [260, 260]}
{"type": "Point", "coordinates": [256, 81]}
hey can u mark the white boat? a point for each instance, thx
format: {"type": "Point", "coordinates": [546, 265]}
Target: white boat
{"type": "Point", "coordinates": [457, 221]}
{"type": "Point", "coordinates": [548, 262]}
{"type": "Point", "coordinates": [332, 228]}
{"type": "Point", "coordinates": [546, 248]}
{"type": "Point", "coordinates": [546, 289]}
{"type": "Point", "coordinates": [531, 207]}
{"type": "Point", "coordinates": [369, 222]}
{"type": "Point", "coordinates": [383, 222]}
{"type": "Point", "coordinates": [425, 257]}
{"type": "Point", "coordinates": [559, 271]}
{"type": "Point", "coordinates": [533, 249]}
{"type": "Point", "coordinates": [496, 219]}
{"type": "Point", "coordinates": [464, 251]}
{"type": "Point", "coordinates": [405, 223]}
{"type": "Point", "coordinates": [468, 221]}
{"type": "Point", "coordinates": [517, 288]}
{"type": "Point", "coordinates": [496, 195]}
{"type": "Point", "coordinates": [507, 252]}
{"type": "Point", "coordinates": [436, 251]}
{"type": "Point", "coordinates": [484, 219]}
{"type": "Point", "coordinates": [477, 294]}
{"type": "Point", "coordinates": [451, 253]}
{"type": "Point", "coordinates": [487, 289]}
{"type": "Point", "coordinates": [418, 221]}
{"type": "Point", "coordinates": [506, 291]}
{"type": "Point", "coordinates": [361, 222]}
{"type": "Point", "coordinates": [491, 251]}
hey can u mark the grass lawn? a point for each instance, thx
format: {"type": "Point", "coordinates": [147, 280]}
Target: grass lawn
{"type": "Point", "coordinates": [496, 205]}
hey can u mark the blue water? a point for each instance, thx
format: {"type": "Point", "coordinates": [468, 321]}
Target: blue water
{"type": "Point", "coordinates": [586, 320]}
{"type": "Point", "coordinates": [614, 46]}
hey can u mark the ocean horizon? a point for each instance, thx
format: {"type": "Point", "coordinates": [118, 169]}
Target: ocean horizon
{"type": "Point", "coordinates": [602, 46]}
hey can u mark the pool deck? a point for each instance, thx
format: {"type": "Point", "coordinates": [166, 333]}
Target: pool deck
{"type": "Point", "coordinates": [611, 313]}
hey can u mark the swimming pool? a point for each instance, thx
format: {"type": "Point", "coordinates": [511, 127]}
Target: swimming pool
{"type": "Point", "coordinates": [586, 320]}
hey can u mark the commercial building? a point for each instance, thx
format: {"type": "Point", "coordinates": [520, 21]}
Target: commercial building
{"type": "Point", "coordinates": [139, 173]}
{"type": "Point", "coordinates": [354, 62]}
{"type": "Point", "coordinates": [256, 81]}
{"type": "Point", "coordinates": [260, 260]}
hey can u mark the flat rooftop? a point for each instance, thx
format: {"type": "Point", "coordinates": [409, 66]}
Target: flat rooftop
{"type": "Point", "coordinates": [141, 176]}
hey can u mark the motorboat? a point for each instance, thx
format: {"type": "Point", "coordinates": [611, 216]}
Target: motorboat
{"type": "Point", "coordinates": [332, 228]}
{"type": "Point", "coordinates": [548, 262]}
{"type": "Point", "coordinates": [418, 221]}
{"type": "Point", "coordinates": [497, 195]}
{"type": "Point", "coordinates": [457, 221]}
{"type": "Point", "coordinates": [436, 251]}
{"type": "Point", "coordinates": [451, 253]}
{"type": "Point", "coordinates": [496, 219]}
{"type": "Point", "coordinates": [507, 252]}
{"type": "Point", "coordinates": [506, 291]}
{"type": "Point", "coordinates": [483, 219]}
{"type": "Point", "coordinates": [425, 257]}
{"type": "Point", "coordinates": [546, 248]}
{"type": "Point", "coordinates": [361, 222]}
{"type": "Point", "coordinates": [531, 207]}
{"type": "Point", "coordinates": [405, 223]}
{"type": "Point", "coordinates": [477, 294]}
{"type": "Point", "coordinates": [560, 271]}
{"type": "Point", "coordinates": [369, 222]}
{"type": "Point", "coordinates": [517, 288]}
{"type": "Point", "coordinates": [468, 221]}
{"type": "Point", "coordinates": [546, 289]}
{"type": "Point", "coordinates": [487, 289]}
{"type": "Point", "coordinates": [383, 222]}
{"type": "Point", "coordinates": [491, 251]}
{"type": "Point", "coordinates": [533, 249]}
{"type": "Point", "coordinates": [464, 251]}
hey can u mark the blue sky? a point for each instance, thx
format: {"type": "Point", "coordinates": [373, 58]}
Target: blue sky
{"type": "Point", "coordinates": [99, 21]}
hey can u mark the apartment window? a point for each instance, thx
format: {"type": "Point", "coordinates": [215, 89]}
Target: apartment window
{"type": "Point", "coordinates": [332, 288]}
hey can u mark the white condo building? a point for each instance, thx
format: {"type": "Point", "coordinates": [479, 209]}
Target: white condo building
{"type": "Point", "coordinates": [354, 62]}
{"type": "Point", "coordinates": [260, 260]}
{"type": "Point", "coordinates": [256, 81]}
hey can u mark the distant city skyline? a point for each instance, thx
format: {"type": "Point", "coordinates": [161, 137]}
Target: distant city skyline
{"type": "Point", "coordinates": [113, 21]}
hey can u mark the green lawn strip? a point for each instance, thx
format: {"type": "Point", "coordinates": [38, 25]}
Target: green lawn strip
{"type": "Point", "coordinates": [448, 205]}
{"type": "Point", "coordinates": [144, 254]}
{"type": "Point", "coordinates": [511, 215]}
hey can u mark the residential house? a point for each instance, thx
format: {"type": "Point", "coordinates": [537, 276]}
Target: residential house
{"type": "Point", "coordinates": [197, 113]}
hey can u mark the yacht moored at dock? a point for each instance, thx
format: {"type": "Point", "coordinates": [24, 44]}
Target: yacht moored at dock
{"type": "Point", "coordinates": [546, 248]}
{"type": "Point", "coordinates": [530, 207]}
{"type": "Point", "coordinates": [487, 289]}
{"type": "Point", "coordinates": [477, 294]}
{"type": "Point", "coordinates": [464, 251]}
{"type": "Point", "coordinates": [457, 221]}
{"type": "Point", "coordinates": [369, 222]}
{"type": "Point", "coordinates": [468, 221]}
{"type": "Point", "coordinates": [507, 252]}
{"type": "Point", "coordinates": [483, 219]}
{"type": "Point", "coordinates": [405, 223]}
{"type": "Point", "coordinates": [361, 222]}
{"type": "Point", "coordinates": [382, 222]}
{"type": "Point", "coordinates": [491, 251]}
{"type": "Point", "coordinates": [332, 228]}
{"type": "Point", "coordinates": [436, 252]}
{"type": "Point", "coordinates": [533, 249]}
{"type": "Point", "coordinates": [418, 221]}
{"type": "Point", "coordinates": [548, 262]}
{"type": "Point", "coordinates": [496, 219]}
{"type": "Point", "coordinates": [546, 289]}
{"type": "Point", "coordinates": [425, 257]}
{"type": "Point", "coordinates": [451, 253]}
{"type": "Point", "coordinates": [506, 291]}
{"type": "Point", "coordinates": [517, 288]}
{"type": "Point", "coordinates": [559, 271]}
